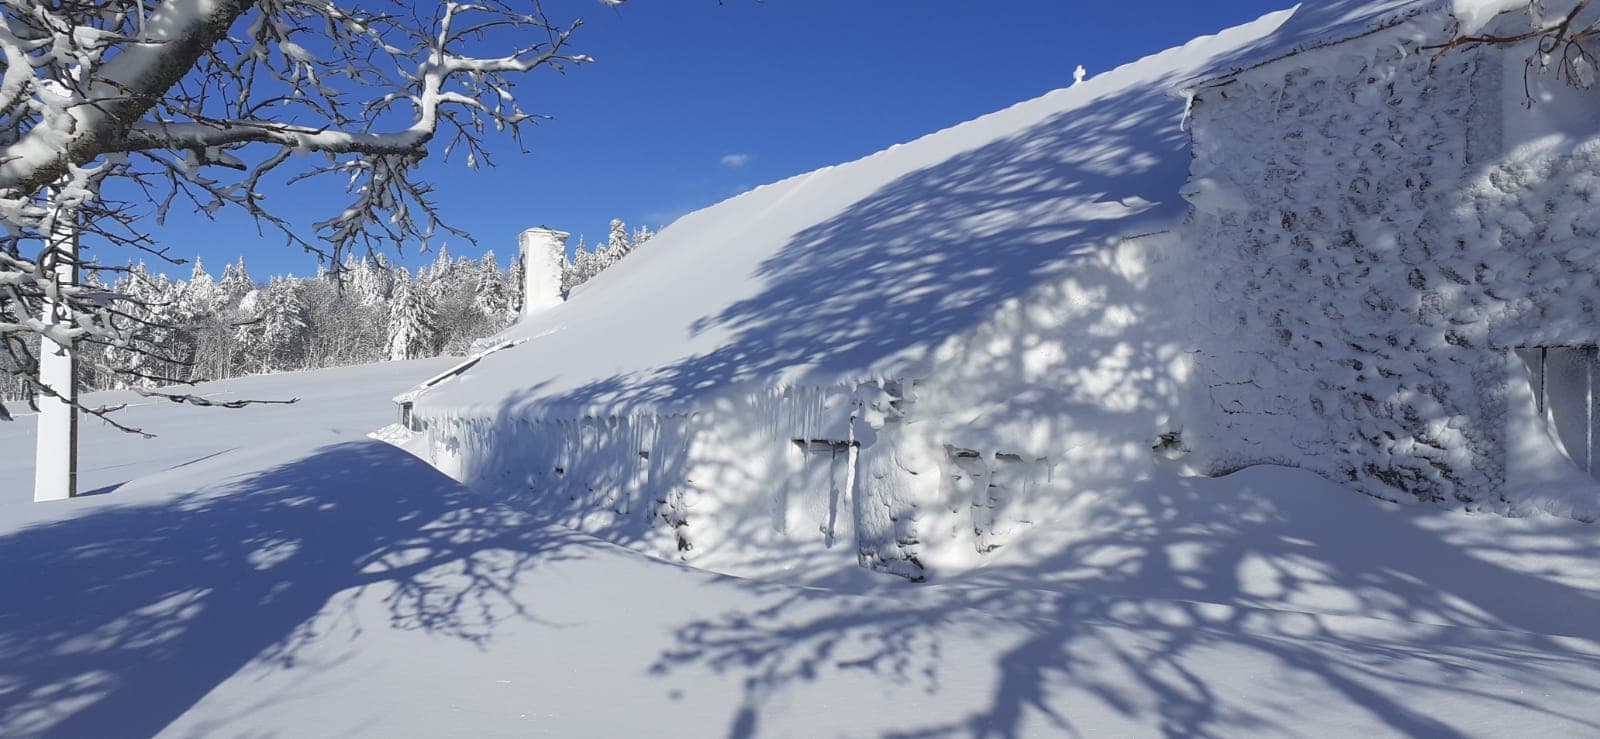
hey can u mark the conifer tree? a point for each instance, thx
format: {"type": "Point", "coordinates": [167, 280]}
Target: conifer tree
{"type": "Point", "coordinates": [281, 329]}
{"type": "Point", "coordinates": [411, 321]}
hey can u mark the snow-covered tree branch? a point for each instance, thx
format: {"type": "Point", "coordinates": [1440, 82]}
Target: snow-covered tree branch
{"type": "Point", "coordinates": [203, 103]}
{"type": "Point", "coordinates": [1563, 35]}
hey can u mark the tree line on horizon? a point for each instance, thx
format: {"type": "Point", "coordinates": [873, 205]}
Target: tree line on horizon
{"type": "Point", "coordinates": [367, 310]}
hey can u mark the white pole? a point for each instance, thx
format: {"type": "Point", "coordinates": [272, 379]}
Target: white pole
{"type": "Point", "coordinates": [55, 475]}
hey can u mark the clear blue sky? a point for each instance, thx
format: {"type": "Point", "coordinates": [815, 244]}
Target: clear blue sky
{"type": "Point", "coordinates": [690, 102]}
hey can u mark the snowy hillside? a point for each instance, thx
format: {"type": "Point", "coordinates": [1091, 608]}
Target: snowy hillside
{"type": "Point", "coordinates": [311, 583]}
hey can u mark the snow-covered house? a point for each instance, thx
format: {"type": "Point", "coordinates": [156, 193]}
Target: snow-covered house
{"type": "Point", "coordinates": [1306, 241]}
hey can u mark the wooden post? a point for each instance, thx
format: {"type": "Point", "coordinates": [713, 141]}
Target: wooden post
{"type": "Point", "coordinates": [55, 475]}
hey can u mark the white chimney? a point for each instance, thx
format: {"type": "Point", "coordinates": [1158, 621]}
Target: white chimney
{"type": "Point", "coordinates": [543, 252]}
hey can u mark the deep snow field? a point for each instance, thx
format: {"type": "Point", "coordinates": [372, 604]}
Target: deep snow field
{"type": "Point", "coordinates": [273, 572]}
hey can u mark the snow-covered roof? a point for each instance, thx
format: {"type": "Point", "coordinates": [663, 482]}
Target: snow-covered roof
{"type": "Point", "coordinates": [456, 369]}
{"type": "Point", "coordinates": [862, 270]}
{"type": "Point", "coordinates": [1315, 24]}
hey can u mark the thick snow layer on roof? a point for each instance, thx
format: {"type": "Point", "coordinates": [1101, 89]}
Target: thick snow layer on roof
{"type": "Point", "coordinates": [862, 269]}
{"type": "Point", "coordinates": [1474, 15]}
{"type": "Point", "coordinates": [1313, 24]}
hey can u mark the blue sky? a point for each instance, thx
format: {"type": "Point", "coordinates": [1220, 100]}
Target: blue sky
{"type": "Point", "coordinates": [690, 102]}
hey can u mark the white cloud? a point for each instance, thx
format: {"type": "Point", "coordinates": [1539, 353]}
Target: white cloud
{"type": "Point", "coordinates": [735, 161]}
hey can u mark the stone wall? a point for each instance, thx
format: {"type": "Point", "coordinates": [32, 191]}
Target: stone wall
{"type": "Point", "coordinates": [1376, 236]}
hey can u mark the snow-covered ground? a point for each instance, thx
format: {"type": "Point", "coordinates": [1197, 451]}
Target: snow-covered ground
{"type": "Point", "coordinates": [331, 404]}
{"type": "Point", "coordinates": [272, 572]}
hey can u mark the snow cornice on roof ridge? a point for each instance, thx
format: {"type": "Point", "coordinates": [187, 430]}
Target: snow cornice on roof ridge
{"type": "Point", "coordinates": [1313, 32]}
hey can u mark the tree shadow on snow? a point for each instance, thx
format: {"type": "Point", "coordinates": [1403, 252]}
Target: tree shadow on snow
{"type": "Point", "coordinates": [116, 621]}
{"type": "Point", "coordinates": [934, 252]}
{"type": "Point", "coordinates": [1129, 617]}
{"type": "Point", "coordinates": [924, 258]}
{"type": "Point", "coordinates": [1190, 608]}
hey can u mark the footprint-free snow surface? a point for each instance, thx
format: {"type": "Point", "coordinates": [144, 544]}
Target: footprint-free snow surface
{"type": "Point", "coordinates": [272, 572]}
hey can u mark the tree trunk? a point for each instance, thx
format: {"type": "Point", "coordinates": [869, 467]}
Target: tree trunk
{"type": "Point", "coordinates": [56, 462]}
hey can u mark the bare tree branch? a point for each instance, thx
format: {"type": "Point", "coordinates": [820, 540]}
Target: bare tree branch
{"type": "Point", "coordinates": [1562, 44]}
{"type": "Point", "coordinates": [202, 103]}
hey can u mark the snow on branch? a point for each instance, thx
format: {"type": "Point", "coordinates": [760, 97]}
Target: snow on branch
{"type": "Point", "coordinates": [202, 103]}
{"type": "Point", "coordinates": [1563, 42]}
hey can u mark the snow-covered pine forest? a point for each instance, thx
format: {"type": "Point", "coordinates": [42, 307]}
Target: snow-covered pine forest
{"type": "Point", "coordinates": [216, 326]}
